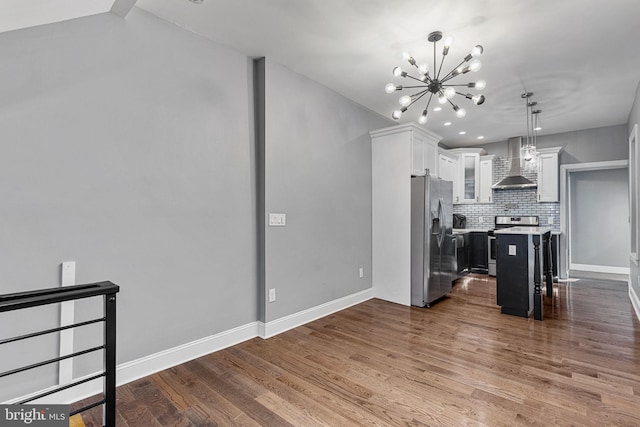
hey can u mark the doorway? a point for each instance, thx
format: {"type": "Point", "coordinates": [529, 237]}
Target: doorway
{"type": "Point", "coordinates": [595, 218]}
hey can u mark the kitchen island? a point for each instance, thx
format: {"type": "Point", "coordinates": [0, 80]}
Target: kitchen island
{"type": "Point", "coordinates": [519, 269]}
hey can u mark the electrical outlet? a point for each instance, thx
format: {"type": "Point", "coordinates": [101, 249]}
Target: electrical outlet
{"type": "Point", "coordinates": [272, 294]}
{"type": "Point", "coordinates": [480, 219]}
{"type": "Point", "coordinates": [550, 220]}
{"type": "Point", "coordinates": [277, 220]}
{"type": "Point", "coordinates": [361, 272]}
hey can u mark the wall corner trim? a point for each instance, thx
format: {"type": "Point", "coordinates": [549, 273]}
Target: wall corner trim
{"type": "Point", "coordinates": [275, 327]}
{"type": "Point", "coordinates": [635, 300]}
{"type": "Point", "coordinates": [122, 7]}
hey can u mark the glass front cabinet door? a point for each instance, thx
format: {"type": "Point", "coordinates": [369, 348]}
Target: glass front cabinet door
{"type": "Point", "coordinates": [470, 176]}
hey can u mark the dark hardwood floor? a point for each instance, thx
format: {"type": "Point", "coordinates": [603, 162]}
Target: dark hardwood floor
{"type": "Point", "coordinates": [458, 363]}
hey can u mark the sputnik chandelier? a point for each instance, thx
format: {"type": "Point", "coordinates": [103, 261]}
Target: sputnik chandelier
{"type": "Point", "coordinates": [430, 81]}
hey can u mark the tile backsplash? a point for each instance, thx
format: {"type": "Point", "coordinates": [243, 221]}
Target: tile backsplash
{"type": "Point", "coordinates": [510, 202]}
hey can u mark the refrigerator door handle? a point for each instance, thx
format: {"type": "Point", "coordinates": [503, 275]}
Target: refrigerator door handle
{"type": "Point", "coordinates": [441, 228]}
{"type": "Point", "coordinates": [435, 226]}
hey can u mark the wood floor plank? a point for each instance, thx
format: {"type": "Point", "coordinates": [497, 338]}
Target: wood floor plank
{"type": "Point", "coordinates": [460, 362]}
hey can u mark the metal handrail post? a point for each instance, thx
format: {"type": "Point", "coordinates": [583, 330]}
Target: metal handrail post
{"type": "Point", "coordinates": [110, 360]}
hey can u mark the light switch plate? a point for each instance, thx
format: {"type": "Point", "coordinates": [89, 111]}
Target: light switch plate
{"type": "Point", "coordinates": [277, 220]}
{"type": "Point", "coordinates": [550, 220]}
{"type": "Point", "coordinates": [512, 249]}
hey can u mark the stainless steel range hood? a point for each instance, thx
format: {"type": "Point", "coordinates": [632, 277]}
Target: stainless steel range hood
{"type": "Point", "coordinates": [514, 180]}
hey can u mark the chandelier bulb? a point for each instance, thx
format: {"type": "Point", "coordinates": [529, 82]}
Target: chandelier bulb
{"type": "Point", "coordinates": [460, 112]}
{"type": "Point", "coordinates": [397, 72]}
{"type": "Point", "coordinates": [480, 84]}
{"type": "Point", "coordinates": [477, 50]}
{"type": "Point", "coordinates": [448, 41]}
{"type": "Point", "coordinates": [442, 99]}
{"type": "Point", "coordinates": [475, 65]}
{"type": "Point", "coordinates": [447, 44]}
{"type": "Point", "coordinates": [478, 99]}
{"type": "Point", "coordinates": [404, 100]}
{"type": "Point", "coordinates": [449, 93]}
{"type": "Point", "coordinates": [390, 88]}
{"type": "Point", "coordinates": [396, 114]}
{"type": "Point", "coordinates": [423, 68]}
{"type": "Point", "coordinates": [407, 57]}
{"type": "Point", "coordinates": [423, 118]}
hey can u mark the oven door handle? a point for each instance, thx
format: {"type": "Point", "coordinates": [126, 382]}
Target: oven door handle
{"type": "Point", "coordinates": [492, 254]}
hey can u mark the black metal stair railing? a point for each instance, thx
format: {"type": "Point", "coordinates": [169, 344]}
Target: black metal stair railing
{"type": "Point", "coordinates": [22, 300]}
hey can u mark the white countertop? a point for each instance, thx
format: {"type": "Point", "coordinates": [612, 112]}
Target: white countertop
{"type": "Point", "coordinates": [524, 230]}
{"type": "Point", "coordinates": [470, 230]}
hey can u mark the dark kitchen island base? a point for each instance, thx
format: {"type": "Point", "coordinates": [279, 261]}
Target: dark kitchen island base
{"type": "Point", "coordinates": [514, 274]}
{"type": "Point", "coordinates": [519, 252]}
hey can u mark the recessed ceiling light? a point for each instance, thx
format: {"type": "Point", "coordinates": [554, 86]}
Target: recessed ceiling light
{"type": "Point", "coordinates": [196, 1]}
{"type": "Point", "coordinates": [481, 137]}
{"type": "Point", "coordinates": [437, 109]}
{"type": "Point", "coordinates": [447, 123]}
{"type": "Point", "coordinates": [461, 132]}
{"type": "Point", "coordinates": [538, 128]}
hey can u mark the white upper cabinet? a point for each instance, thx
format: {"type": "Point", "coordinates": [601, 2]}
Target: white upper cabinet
{"type": "Point", "coordinates": [424, 154]}
{"type": "Point", "coordinates": [548, 174]}
{"type": "Point", "coordinates": [469, 166]}
{"type": "Point", "coordinates": [486, 179]}
{"type": "Point", "coordinates": [468, 175]}
{"type": "Point", "coordinates": [448, 171]}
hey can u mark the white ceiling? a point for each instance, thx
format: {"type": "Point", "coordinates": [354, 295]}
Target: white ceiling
{"type": "Point", "coordinates": [580, 58]}
{"type": "Point", "coordinates": [16, 14]}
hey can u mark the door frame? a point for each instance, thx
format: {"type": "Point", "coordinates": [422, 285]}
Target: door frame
{"type": "Point", "coordinates": [565, 204]}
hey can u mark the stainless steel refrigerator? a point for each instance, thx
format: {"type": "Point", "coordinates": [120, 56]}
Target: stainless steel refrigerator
{"type": "Point", "coordinates": [432, 246]}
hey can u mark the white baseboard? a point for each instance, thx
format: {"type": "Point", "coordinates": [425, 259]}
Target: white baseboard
{"type": "Point", "coordinates": [131, 371]}
{"type": "Point", "coordinates": [635, 301]}
{"type": "Point", "coordinates": [147, 365]}
{"type": "Point", "coordinates": [144, 366]}
{"type": "Point", "coordinates": [599, 268]}
{"type": "Point", "coordinates": [270, 329]}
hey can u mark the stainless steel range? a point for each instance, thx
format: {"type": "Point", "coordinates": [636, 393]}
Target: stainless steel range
{"type": "Point", "coordinates": [506, 222]}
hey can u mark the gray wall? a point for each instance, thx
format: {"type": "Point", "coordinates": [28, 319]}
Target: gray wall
{"type": "Point", "coordinates": [317, 170]}
{"type": "Point", "coordinates": [634, 119]}
{"type": "Point", "coordinates": [126, 146]}
{"type": "Point", "coordinates": [599, 217]}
